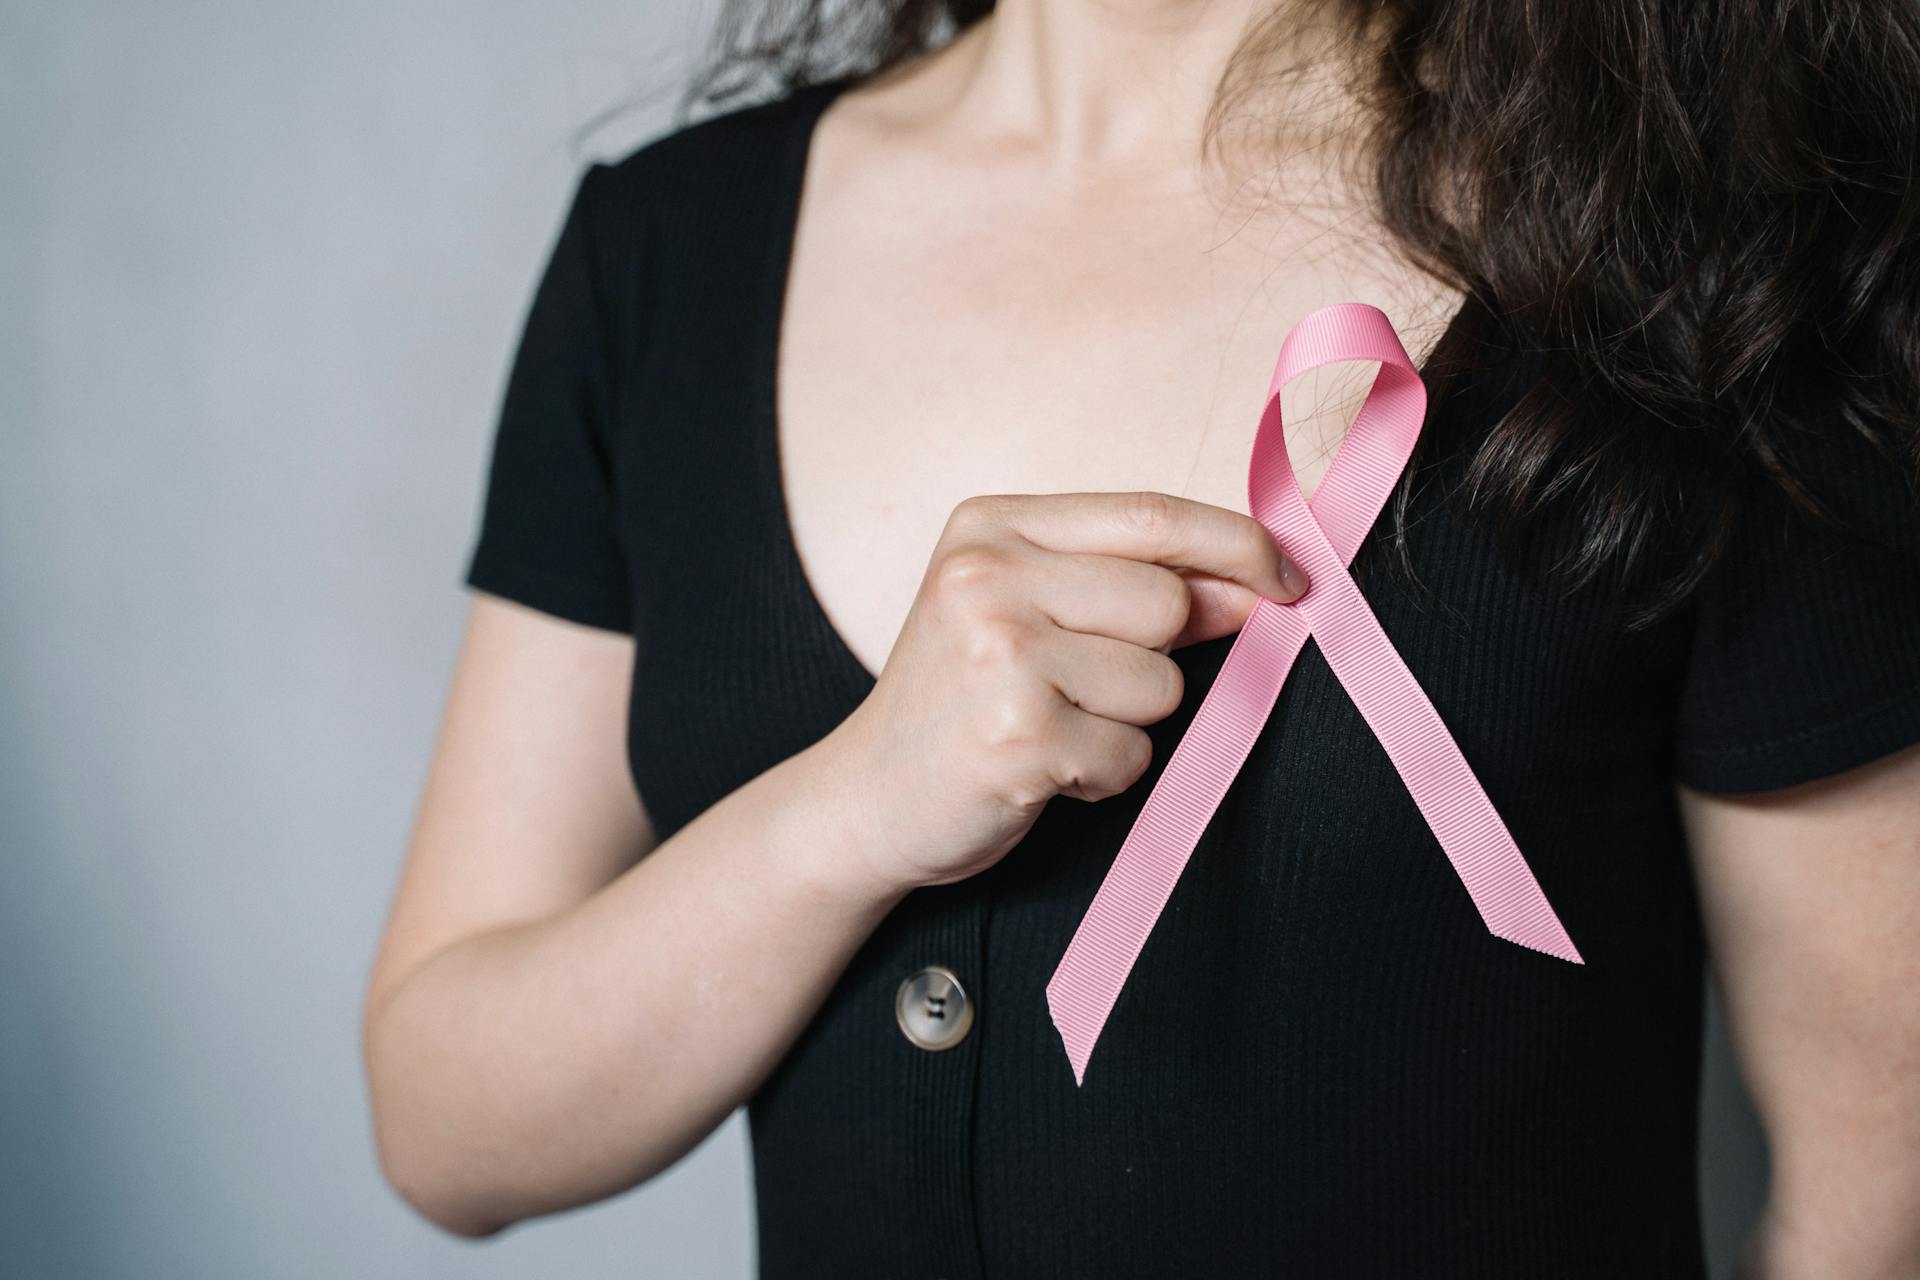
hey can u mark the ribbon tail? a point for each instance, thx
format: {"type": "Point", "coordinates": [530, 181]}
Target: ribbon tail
{"type": "Point", "coordinates": [1087, 982]}
{"type": "Point", "coordinates": [1323, 536]}
{"type": "Point", "coordinates": [1456, 807]}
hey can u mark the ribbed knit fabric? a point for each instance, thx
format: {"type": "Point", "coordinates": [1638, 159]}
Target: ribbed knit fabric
{"type": "Point", "coordinates": [1322, 1065]}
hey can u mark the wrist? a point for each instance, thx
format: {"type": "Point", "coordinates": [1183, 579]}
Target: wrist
{"type": "Point", "coordinates": [838, 846]}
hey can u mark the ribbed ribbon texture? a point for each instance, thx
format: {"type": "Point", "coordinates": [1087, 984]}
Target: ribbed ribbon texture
{"type": "Point", "coordinates": [1322, 537]}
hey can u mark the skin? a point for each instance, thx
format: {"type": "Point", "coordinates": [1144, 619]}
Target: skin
{"type": "Point", "coordinates": [563, 1005]}
{"type": "Point", "coordinates": [535, 1041]}
{"type": "Point", "coordinates": [1811, 901]}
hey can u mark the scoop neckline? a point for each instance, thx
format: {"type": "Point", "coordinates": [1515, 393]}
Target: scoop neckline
{"type": "Point", "coordinates": [810, 102]}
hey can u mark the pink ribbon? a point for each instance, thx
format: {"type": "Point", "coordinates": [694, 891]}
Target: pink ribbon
{"type": "Point", "coordinates": [1322, 536]}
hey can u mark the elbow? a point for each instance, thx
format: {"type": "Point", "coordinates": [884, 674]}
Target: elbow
{"type": "Point", "coordinates": [418, 1172]}
{"type": "Point", "coordinates": [431, 1200]}
{"type": "Point", "coordinates": [415, 1163]}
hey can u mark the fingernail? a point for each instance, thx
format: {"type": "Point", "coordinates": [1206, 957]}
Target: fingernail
{"type": "Point", "coordinates": [1292, 577]}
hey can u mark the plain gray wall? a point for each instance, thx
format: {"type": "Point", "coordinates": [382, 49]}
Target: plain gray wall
{"type": "Point", "coordinates": [261, 270]}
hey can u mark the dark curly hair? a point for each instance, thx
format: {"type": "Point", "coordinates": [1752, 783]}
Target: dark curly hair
{"type": "Point", "coordinates": [1683, 204]}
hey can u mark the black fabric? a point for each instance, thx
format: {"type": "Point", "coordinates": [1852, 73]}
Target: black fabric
{"type": "Point", "coordinates": [550, 533]}
{"type": "Point", "coordinates": [1322, 1064]}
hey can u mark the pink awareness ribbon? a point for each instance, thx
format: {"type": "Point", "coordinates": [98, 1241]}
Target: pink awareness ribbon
{"type": "Point", "coordinates": [1322, 536]}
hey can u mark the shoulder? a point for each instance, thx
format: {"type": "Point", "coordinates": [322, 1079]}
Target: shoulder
{"type": "Point", "coordinates": [1864, 474]}
{"type": "Point", "coordinates": [1803, 662]}
{"type": "Point", "coordinates": [690, 217]}
{"type": "Point", "coordinates": [709, 168]}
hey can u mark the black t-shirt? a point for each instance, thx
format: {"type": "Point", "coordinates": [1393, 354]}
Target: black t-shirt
{"type": "Point", "coordinates": [1322, 1063]}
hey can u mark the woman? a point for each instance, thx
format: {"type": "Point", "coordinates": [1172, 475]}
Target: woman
{"type": "Point", "coordinates": [885, 529]}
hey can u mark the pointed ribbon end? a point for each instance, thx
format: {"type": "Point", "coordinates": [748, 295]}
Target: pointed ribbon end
{"type": "Point", "coordinates": [1547, 936]}
{"type": "Point", "coordinates": [1075, 1035]}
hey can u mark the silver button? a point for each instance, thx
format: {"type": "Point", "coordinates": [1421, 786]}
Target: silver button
{"type": "Point", "coordinates": [932, 1008]}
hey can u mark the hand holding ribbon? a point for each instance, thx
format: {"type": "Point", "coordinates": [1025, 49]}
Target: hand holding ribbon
{"type": "Point", "coordinates": [1322, 536]}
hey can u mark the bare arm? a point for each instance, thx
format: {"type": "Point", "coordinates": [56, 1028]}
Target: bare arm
{"type": "Point", "coordinates": [553, 1017]}
{"type": "Point", "coordinates": [1811, 901]}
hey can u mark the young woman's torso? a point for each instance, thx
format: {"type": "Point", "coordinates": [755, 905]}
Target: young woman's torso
{"type": "Point", "coordinates": [1320, 1035]}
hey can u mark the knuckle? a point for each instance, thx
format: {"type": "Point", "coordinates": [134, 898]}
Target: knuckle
{"type": "Point", "coordinates": [1171, 607]}
{"type": "Point", "coordinates": [1010, 723]}
{"type": "Point", "coordinates": [1074, 777]}
{"type": "Point", "coordinates": [969, 570]}
{"type": "Point", "coordinates": [1069, 780]}
{"type": "Point", "coordinates": [1147, 512]}
{"type": "Point", "coordinates": [1028, 796]}
{"type": "Point", "coordinates": [1118, 768]}
{"type": "Point", "coordinates": [977, 512]}
{"type": "Point", "coordinates": [995, 643]}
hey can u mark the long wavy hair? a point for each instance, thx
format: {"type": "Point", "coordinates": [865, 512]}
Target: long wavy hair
{"type": "Point", "coordinates": [1682, 204]}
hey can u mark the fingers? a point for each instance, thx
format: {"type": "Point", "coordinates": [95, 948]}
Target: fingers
{"type": "Point", "coordinates": [1146, 525]}
{"type": "Point", "coordinates": [1096, 757]}
{"type": "Point", "coordinates": [1219, 608]}
{"type": "Point", "coordinates": [1143, 604]}
{"type": "Point", "coordinates": [1110, 678]}
{"type": "Point", "coordinates": [1060, 711]}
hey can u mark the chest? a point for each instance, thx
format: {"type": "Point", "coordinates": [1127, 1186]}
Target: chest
{"type": "Point", "coordinates": [955, 342]}
{"type": "Point", "coordinates": [788, 449]}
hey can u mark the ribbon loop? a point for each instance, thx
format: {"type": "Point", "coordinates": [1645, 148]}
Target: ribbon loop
{"type": "Point", "coordinates": [1323, 536]}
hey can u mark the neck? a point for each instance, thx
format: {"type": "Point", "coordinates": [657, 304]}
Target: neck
{"type": "Point", "coordinates": [1097, 86]}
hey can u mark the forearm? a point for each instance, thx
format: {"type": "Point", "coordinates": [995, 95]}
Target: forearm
{"type": "Point", "coordinates": [550, 1065]}
{"type": "Point", "coordinates": [1786, 1245]}
{"type": "Point", "coordinates": [1844, 1184]}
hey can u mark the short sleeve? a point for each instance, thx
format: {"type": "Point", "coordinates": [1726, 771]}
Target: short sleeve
{"type": "Point", "coordinates": [1805, 658]}
{"type": "Point", "coordinates": [548, 535]}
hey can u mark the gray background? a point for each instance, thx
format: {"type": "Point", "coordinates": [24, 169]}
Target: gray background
{"type": "Point", "coordinates": [262, 269]}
